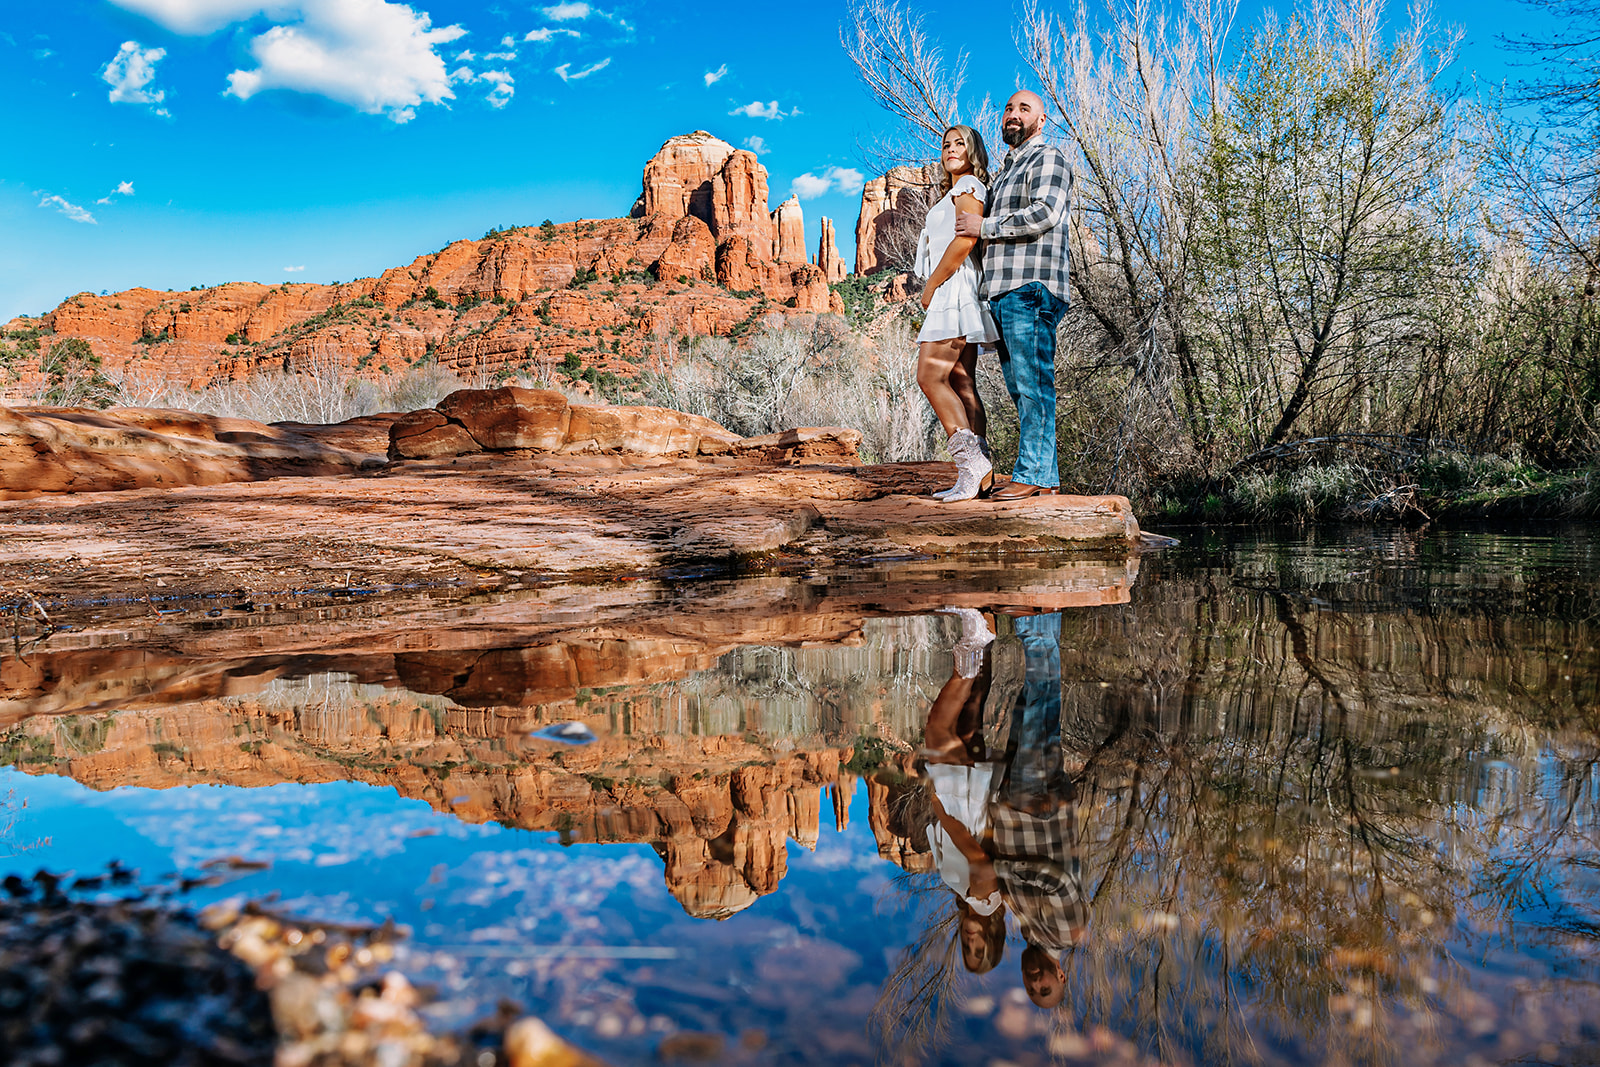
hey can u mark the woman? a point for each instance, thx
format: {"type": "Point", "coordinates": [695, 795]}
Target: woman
{"type": "Point", "coordinates": [957, 323]}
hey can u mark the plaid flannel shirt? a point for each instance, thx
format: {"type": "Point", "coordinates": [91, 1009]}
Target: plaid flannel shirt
{"type": "Point", "coordinates": [1025, 233]}
{"type": "Point", "coordinates": [1037, 865]}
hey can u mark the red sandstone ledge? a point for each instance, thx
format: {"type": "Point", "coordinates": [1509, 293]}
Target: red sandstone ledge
{"type": "Point", "coordinates": [491, 479]}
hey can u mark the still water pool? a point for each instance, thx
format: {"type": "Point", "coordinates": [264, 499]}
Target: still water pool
{"type": "Point", "coordinates": [1314, 799]}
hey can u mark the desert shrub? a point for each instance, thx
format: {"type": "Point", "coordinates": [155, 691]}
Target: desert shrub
{"type": "Point", "coordinates": [423, 386]}
{"type": "Point", "coordinates": [819, 373]}
{"type": "Point", "coordinates": [314, 389]}
{"type": "Point", "coordinates": [74, 376]}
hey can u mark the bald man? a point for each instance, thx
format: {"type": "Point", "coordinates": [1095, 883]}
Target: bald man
{"type": "Point", "coordinates": [1024, 281]}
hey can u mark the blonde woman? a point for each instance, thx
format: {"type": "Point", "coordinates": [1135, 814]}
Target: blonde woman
{"type": "Point", "coordinates": [957, 322]}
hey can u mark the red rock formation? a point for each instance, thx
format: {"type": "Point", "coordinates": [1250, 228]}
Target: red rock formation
{"type": "Point", "coordinates": [692, 253]}
{"type": "Point", "coordinates": [510, 417]}
{"type": "Point", "coordinates": [739, 267]}
{"type": "Point", "coordinates": [678, 179]}
{"type": "Point", "coordinates": [789, 232]}
{"type": "Point", "coordinates": [828, 260]}
{"type": "Point", "coordinates": [892, 208]}
{"type": "Point", "coordinates": [739, 200]}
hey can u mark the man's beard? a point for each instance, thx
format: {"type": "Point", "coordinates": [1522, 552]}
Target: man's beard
{"type": "Point", "coordinates": [1014, 135]}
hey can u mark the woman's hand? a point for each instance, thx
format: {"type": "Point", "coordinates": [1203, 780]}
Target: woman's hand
{"type": "Point", "coordinates": [927, 294]}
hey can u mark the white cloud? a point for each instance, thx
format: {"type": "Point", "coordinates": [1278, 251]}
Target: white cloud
{"type": "Point", "coordinates": [566, 73]}
{"type": "Point", "coordinates": [204, 16]}
{"type": "Point", "coordinates": [758, 145]}
{"type": "Point", "coordinates": [122, 189]}
{"type": "Point", "coordinates": [466, 55]}
{"type": "Point", "coordinates": [502, 84]}
{"type": "Point", "coordinates": [130, 73]}
{"type": "Point", "coordinates": [375, 56]}
{"type": "Point", "coordinates": [508, 41]}
{"type": "Point", "coordinates": [755, 109]}
{"type": "Point", "coordinates": [499, 57]}
{"type": "Point", "coordinates": [291, 270]}
{"type": "Point", "coordinates": [541, 36]}
{"type": "Point", "coordinates": [504, 87]}
{"type": "Point", "coordinates": [70, 210]}
{"type": "Point", "coordinates": [809, 186]}
{"type": "Point", "coordinates": [835, 179]}
{"type": "Point", "coordinates": [714, 76]}
{"type": "Point", "coordinates": [572, 12]}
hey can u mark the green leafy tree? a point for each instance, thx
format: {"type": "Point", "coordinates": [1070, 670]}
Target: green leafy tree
{"type": "Point", "coordinates": [1335, 226]}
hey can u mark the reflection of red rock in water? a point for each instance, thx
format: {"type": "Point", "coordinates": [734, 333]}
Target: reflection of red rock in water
{"type": "Point", "coordinates": [898, 842]}
{"type": "Point", "coordinates": [724, 841]}
{"type": "Point", "coordinates": [720, 824]}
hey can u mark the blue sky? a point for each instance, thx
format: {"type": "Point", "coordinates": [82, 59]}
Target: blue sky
{"type": "Point", "coordinates": [321, 140]}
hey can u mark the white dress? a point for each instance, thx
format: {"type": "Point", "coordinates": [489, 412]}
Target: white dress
{"type": "Point", "coordinates": [963, 792]}
{"type": "Point", "coordinates": [955, 310]}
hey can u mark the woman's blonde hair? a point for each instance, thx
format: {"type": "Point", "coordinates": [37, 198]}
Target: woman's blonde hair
{"type": "Point", "coordinates": [977, 155]}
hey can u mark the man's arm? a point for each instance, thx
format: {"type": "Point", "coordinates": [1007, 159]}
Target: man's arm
{"type": "Point", "coordinates": [1050, 189]}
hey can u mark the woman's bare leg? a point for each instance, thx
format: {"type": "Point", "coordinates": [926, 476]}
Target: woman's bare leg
{"type": "Point", "coordinates": [942, 743]}
{"type": "Point", "coordinates": [936, 361]}
{"type": "Point", "coordinates": [964, 383]}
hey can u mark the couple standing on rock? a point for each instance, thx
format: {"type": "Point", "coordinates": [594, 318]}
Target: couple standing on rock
{"type": "Point", "coordinates": [1013, 302]}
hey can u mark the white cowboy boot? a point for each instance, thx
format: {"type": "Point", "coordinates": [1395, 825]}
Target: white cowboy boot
{"type": "Point", "coordinates": [974, 472]}
{"type": "Point", "coordinates": [983, 445]}
{"type": "Point", "coordinates": [975, 637]}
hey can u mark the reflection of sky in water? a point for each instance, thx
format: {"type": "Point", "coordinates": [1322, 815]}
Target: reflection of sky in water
{"type": "Point", "coordinates": [487, 905]}
{"type": "Point", "coordinates": [1268, 888]}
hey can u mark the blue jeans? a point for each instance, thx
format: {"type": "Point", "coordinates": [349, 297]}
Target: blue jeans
{"type": "Point", "coordinates": [1036, 772]}
{"type": "Point", "coordinates": [1027, 318]}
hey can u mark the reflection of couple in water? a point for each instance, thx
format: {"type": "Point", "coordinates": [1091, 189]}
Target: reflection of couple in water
{"type": "Point", "coordinates": [990, 791]}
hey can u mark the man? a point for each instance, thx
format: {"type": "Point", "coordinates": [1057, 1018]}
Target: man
{"type": "Point", "coordinates": [1024, 280]}
{"type": "Point", "coordinates": [1033, 820]}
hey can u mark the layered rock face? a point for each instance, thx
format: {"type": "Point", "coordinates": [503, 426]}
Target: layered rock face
{"type": "Point", "coordinates": [541, 420]}
{"type": "Point", "coordinates": [892, 209]}
{"type": "Point", "coordinates": [789, 232]}
{"type": "Point", "coordinates": [76, 450]}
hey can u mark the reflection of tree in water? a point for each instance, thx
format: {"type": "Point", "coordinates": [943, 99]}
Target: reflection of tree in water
{"type": "Point", "coordinates": [882, 684]}
{"type": "Point", "coordinates": [915, 1005]}
{"type": "Point", "coordinates": [1304, 829]}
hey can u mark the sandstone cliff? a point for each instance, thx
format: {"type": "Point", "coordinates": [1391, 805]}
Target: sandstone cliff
{"type": "Point", "coordinates": [892, 209]}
